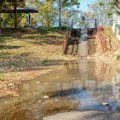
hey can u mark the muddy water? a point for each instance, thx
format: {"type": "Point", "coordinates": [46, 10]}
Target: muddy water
{"type": "Point", "coordinates": [85, 85]}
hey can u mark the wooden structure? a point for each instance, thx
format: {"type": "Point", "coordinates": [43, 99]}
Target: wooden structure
{"type": "Point", "coordinates": [72, 37]}
{"type": "Point", "coordinates": [15, 10]}
{"type": "Point", "coordinates": [75, 37]}
{"type": "Point", "coordinates": [20, 10]}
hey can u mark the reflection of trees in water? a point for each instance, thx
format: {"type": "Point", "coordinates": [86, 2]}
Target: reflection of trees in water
{"type": "Point", "coordinates": [100, 71]}
{"type": "Point", "coordinates": [82, 79]}
{"type": "Point", "coordinates": [116, 84]}
{"type": "Point", "coordinates": [72, 70]}
{"type": "Point", "coordinates": [117, 76]}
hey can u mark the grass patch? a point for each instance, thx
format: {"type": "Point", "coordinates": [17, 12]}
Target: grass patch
{"type": "Point", "coordinates": [32, 49]}
{"type": "Point", "coordinates": [45, 61]}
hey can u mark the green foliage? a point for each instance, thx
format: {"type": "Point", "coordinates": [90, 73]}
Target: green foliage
{"type": "Point", "coordinates": [8, 19]}
{"type": "Point", "coordinates": [101, 4]}
{"type": "Point", "coordinates": [64, 28]}
{"type": "Point", "coordinates": [62, 4]}
{"type": "Point", "coordinates": [67, 3]}
{"type": "Point", "coordinates": [50, 10]}
{"type": "Point", "coordinates": [47, 12]}
{"type": "Point", "coordinates": [45, 61]}
{"type": "Point", "coordinates": [109, 14]}
{"type": "Point", "coordinates": [102, 10]}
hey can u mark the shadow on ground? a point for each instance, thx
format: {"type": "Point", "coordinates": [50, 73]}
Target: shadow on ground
{"type": "Point", "coordinates": [24, 62]}
{"type": "Point", "coordinates": [2, 47]}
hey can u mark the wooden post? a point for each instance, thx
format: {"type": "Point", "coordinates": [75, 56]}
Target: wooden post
{"type": "Point", "coordinates": [16, 19]}
{"type": "Point", "coordinates": [96, 24]}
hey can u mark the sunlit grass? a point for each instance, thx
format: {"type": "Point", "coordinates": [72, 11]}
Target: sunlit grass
{"type": "Point", "coordinates": [30, 50]}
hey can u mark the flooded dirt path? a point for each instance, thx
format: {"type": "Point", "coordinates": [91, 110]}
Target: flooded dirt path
{"type": "Point", "coordinates": [82, 86]}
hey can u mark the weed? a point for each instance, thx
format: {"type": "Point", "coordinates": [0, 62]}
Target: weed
{"type": "Point", "coordinates": [44, 61]}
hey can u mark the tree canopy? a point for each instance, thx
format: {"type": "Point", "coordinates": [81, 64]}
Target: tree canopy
{"type": "Point", "coordinates": [52, 12]}
{"type": "Point", "coordinates": [60, 12]}
{"type": "Point", "coordinates": [102, 10]}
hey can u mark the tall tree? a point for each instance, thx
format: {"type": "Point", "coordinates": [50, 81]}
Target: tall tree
{"type": "Point", "coordinates": [50, 11]}
{"type": "Point", "coordinates": [47, 11]}
{"type": "Point", "coordinates": [60, 8]}
{"type": "Point", "coordinates": [102, 10]}
{"type": "Point", "coordinates": [71, 17]}
{"type": "Point", "coordinates": [64, 4]}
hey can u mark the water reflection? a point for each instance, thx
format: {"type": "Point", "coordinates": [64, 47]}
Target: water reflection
{"type": "Point", "coordinates": [83, 86]}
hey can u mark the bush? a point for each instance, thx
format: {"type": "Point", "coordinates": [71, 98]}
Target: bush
{"type": "Point", "coordinates": [64, 28]}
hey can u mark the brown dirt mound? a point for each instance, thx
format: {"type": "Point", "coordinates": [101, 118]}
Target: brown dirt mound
{"type": "Point", "coordinates": [113, 44]}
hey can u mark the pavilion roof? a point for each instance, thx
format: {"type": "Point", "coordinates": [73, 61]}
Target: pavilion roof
{"type": "Point", "coordinates": [14, 0]}
{"type": "Point", "coordinates": [20, 10]}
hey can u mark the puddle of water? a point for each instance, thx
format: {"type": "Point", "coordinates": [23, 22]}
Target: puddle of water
{"type": "Point", "coordinates": [83, 86]}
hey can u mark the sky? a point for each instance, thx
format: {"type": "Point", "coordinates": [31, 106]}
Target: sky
{"type": "Point", "coordinates": [83, 4]}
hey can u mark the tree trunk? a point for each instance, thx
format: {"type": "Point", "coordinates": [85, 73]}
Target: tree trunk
{"type": "Point", "coordinates": [60, 12]}
{"type": "Point", "coordinates": [15, 8]}
{"type": "Point", "coordinates": [0, 23]}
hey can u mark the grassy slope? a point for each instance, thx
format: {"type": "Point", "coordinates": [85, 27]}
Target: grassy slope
{"type": "Point", "coordinates": [25, 55]}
